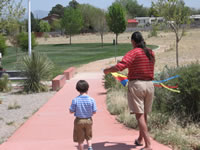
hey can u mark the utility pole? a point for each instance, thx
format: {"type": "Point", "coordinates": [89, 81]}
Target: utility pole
{"type": "Point", "coordinates": [29, 27]}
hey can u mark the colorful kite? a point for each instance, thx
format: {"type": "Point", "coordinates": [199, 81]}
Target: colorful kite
{"type": "Point", "coordinates": [124, 80]}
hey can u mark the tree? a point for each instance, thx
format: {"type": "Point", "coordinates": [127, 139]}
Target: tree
{"type": "Point", "coordinates": [56, 25]}
{"type": "Point", "coordinates": [73, 4]}
{"type": "Point", "coordinates": [35, 27]}
{"type": "Point", "coordinates": [44, 26]}
{"type": "Point", "coordinates": [72, 21]}
{"type": "Point", "coordinates": [58, 9]}
{"type": "Point", "coordinates": [10, 15]}
{"type": "Point", "coordinates": [194, 11]}
{"type": "Point", "coordinates": [176, 14]}
{"type": "Point", "coordinates": [2, 45]}
{"type": "Point", "coordinates": [116, 19]}
{"type": "Point", "coordinates": [152, 11]}
{"type": "Point", "coordinates": [87, 12]}
{"type": "Point", "coordinates": [99, 22]}
{"type": "Point", "coordinates": [4, 4]}
{"type": "Point", "coordinates": [22, 41]}
{"type": "Point", "coordinates": [133, 9]}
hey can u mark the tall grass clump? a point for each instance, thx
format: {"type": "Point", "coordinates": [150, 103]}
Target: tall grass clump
{"type": "Point", "coordinates": [110, 82]}
{"type": "Point", "coordinates": [154, 31]}
{"type": "Point", "coordinates": [116, 101]}
{"type": "Point", "coordinates": [5, 83]}
{"type": "Point", "coordinates": [36, 68]}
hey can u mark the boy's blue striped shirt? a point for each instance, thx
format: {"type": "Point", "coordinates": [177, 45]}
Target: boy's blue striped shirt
{"type": "Point", "coordinates": [83, 106]}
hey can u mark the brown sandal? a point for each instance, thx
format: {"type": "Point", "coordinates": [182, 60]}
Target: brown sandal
{"type": "Point", "coordinates": [146, 149]}
{"type": "Point", "coordinates": [137, 143]}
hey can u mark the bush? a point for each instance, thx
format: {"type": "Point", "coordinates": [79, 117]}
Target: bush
{"type": "Point", "coordinates": [2, 45]}
{"type": "Point", "coordinates": [185, 105]}
{"type": "Point", "coordinates": [36, 68]}
{"type": "Point", "coordinates": [111, 82]}
{"type": "Point", "coordinates": [23, 41]}
{"type": "Point", "coordinates": [116, 101]}
{"type": "Point", "coordinates": [44, 26]}
{"type": "Point", "coordinates": [154, 31]}
{"type": "Point", "coordinates": [5, 83]}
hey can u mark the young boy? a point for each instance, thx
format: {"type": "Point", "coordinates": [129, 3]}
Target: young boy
{"type": "Point", "coordinates": [83, 107]}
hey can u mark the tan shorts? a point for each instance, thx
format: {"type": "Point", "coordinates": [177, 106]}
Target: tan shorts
{"type": "Point", "coordinates": [82, 130]}
{"type": "Point", "coordinates": [140, 96]}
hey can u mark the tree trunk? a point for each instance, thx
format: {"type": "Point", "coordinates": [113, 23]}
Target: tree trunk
{"type": "Point", "coordinates": [177, 61]}
{"type": "Point", "coordinates": [101, 39]}
{"type": "Point", "coordinates": [16, 49]}
{"type": "Point", "coordinates": [70, 39]}
{"type": "Point", "coordinates": [116, 39]}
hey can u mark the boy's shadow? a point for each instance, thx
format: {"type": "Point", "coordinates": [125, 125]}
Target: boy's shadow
{"type": "Point", "coordinates": [111, 146]}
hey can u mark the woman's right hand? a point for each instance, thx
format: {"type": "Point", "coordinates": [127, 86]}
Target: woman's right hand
{"type": "Point", "coordinates": [106, 71]}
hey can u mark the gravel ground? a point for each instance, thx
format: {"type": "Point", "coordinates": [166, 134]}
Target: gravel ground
{"type": "Point", "coordinates": [16, 108]}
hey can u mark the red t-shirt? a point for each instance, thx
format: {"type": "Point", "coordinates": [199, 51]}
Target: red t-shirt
{"type": "Point", "coordinates": [138, 64]}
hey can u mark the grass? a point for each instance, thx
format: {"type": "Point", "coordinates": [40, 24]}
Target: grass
{"type": "Point", "coordinates": [10, 123]}
{"type": "Point", "coordinates": [14, 106]}
{"type": "Point", "coordinates": [64, 55]}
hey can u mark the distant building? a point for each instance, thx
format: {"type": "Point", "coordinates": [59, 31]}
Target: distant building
{"type": "Point", "coordinates": [146, 21]}
{"type": "Point", "coordinates": [132, 23]}
{"type": "Point", "coordinates": [195, 20]}
{"type": "Point", "coordinates": [51, 18]}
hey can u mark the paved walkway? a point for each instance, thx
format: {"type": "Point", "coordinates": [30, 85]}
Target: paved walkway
{"type": "Point", "coordinates": [51, 127]}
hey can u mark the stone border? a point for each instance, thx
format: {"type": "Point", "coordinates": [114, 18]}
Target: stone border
{"type": "Point", "coordinates": [59, 81]}
{"type": "Point", "coordinates": [69, 73]}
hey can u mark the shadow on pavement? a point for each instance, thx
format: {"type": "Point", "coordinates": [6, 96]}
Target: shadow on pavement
{"type": "Point", "coordinates": [102, 93]}
{"type": "Point", "coordinates": [112, 146]}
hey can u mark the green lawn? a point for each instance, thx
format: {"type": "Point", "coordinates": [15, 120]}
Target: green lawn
{"type": "Point", "coordinates": [64, 55]}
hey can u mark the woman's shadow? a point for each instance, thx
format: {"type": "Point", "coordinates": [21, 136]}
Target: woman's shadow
{"type": "Point", "coordinates": [111, 146]}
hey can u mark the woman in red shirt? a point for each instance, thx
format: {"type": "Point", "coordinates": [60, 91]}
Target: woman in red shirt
{"type": "Point", "coordinates": [140, 63]}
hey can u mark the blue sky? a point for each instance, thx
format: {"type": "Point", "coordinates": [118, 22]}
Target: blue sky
{"type": "Point", "coordinates": [48, 4]}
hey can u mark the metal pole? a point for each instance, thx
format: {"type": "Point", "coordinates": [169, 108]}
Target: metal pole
{"type": "Point", "coordinates": [29, 27]}
{"type": "Point", "coordinates": [115, 52]}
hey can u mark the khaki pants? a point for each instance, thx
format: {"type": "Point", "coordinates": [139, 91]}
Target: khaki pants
{"type": "Point", "coordinates": [140, 96]}
{"type": "Point", "coordinates": [82, 129]}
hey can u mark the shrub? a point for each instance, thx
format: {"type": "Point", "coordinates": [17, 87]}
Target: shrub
{"type": "Point", "coordinates": [44, 26]}
{"type": "Point", "coordinates": [15, 105]}
{"type": "Point", "coordinates": [5, 83]}
{"type": "Point", "coordinates": [154, 31]}
{"type": "Point", "coordinates": [2, 45]}
{"type": "Point", "coordinates": [185, 105]}
{"type": "Point", "coordinates": [110, 82]}
{"type": "Point", "coordinates": [116, 101]}
{"type": "Point", "coordinates": [157, 121]}
{"type": "Point", "coordinates": [23, 41]}
{"type": "Point", "coordinates": [36, 68]}
{"type": "Point", "coordinates": [128, 119]}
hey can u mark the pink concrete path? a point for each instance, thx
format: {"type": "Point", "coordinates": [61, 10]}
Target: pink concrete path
{"type": "Point", "coordinates": [51, 127]}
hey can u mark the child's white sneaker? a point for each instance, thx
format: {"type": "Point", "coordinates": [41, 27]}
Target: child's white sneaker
{"type": "Point", "coordinates": [90, 148]}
